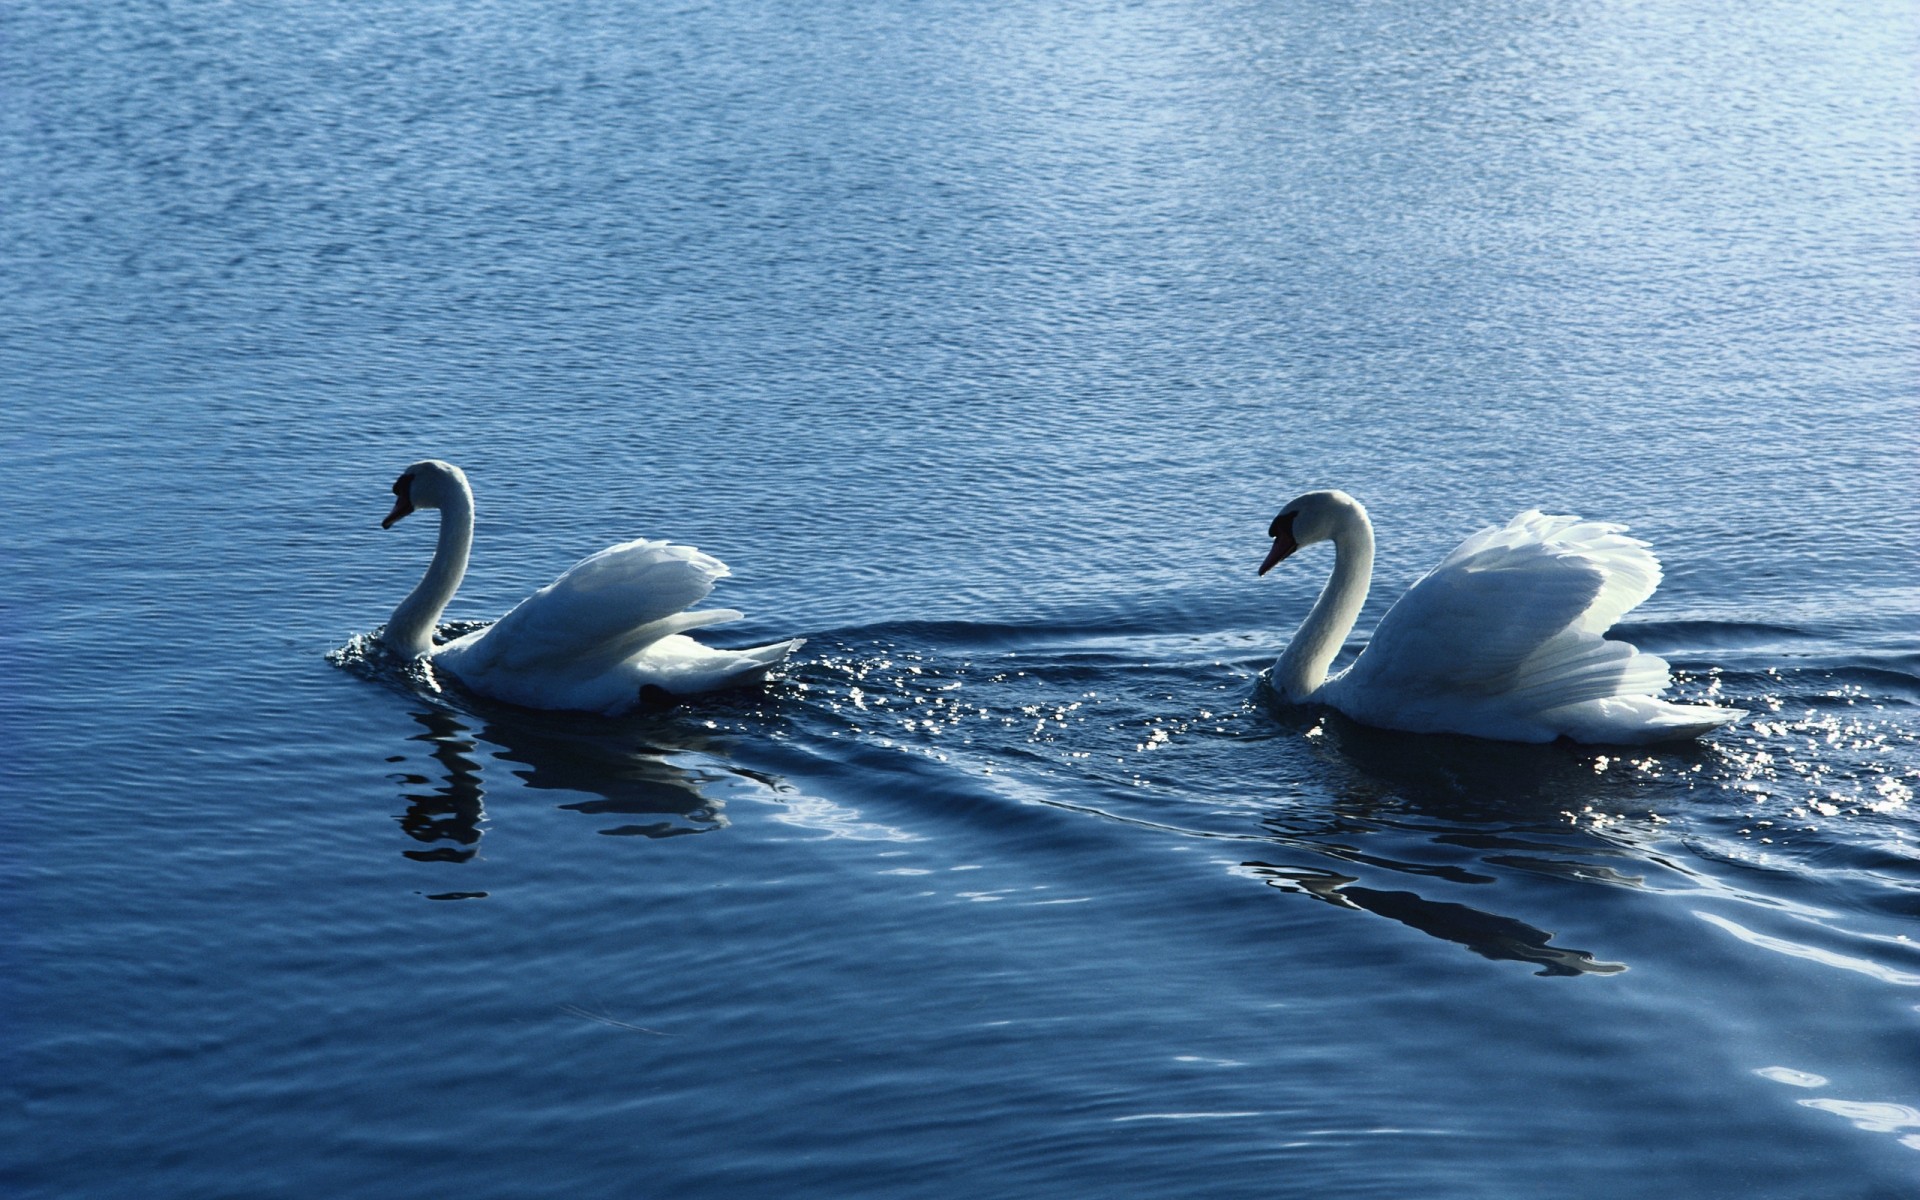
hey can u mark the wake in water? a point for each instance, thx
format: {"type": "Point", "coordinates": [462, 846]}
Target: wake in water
{"type": "Point", "coordinates": [1177, 737]}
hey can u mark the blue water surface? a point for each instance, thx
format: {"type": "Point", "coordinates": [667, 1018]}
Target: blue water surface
{"type": "Point", "coordinates": [982, 342]}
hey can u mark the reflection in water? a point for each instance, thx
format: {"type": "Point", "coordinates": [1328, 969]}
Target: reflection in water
{"type": "Point", "coordinates": [630, 775]}
{"type": "Point", "coordinates": [1486, 934]}
{"type": "Point", "coordinates": [453, 811]}
{"type": "Point", "coordinates": [1828, 958]}
{"type": "Point", "coordinates": [621, 765]}
{"type": "Point", "coordinates": [1874, 1116]}
{"type": "Point", "coordinates": [1510, 806]}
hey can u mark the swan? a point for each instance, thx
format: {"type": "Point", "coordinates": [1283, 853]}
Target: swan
{"type": "Point", "coordinates": [612, 625]}
{"type": "Point", "coordinates": [1501, 640]}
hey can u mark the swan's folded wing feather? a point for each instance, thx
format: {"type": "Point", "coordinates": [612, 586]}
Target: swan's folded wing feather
{"type": "Point", "coordinates": [608, 604]}
{"type": "Point", "coordinates": [1632, 572]}
{"type": "Point", "coordinates": [1519, 608]}
{"type": "Point", "coordinates": [1578, 666]}
{"type": "Point", "coordinates": [1467, 626]}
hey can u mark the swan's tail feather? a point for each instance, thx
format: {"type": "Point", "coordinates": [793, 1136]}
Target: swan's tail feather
{"type": "Point", "coordinates": [1638, 720]}
{"type": "Point", "coordinates": [761, 659]}
{"type": "Point", "coordinates": [681, 666]}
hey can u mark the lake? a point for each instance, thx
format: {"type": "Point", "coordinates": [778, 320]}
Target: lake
{"type": "Point", "coordinates": [983, 343]}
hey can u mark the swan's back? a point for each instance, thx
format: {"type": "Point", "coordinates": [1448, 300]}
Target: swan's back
{"type": "Point", "coordinates": [1502, 639]}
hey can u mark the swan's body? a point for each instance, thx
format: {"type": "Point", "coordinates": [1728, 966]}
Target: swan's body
{"type": "Point", "coordinates": [1501, 640]}
{"type": "Point", "coordinates": [611, 626]}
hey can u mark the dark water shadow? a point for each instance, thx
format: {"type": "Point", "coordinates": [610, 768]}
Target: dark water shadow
{"type": "Point", "coordinates": [1459, 811]}
{"type": "Point", "coordinates": [1473, 779]}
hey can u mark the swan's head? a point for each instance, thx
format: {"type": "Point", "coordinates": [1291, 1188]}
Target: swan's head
{"type": "Point", "coordinates": [429, 483]}
{"type": "Point", "coordinates": [1314, 517]}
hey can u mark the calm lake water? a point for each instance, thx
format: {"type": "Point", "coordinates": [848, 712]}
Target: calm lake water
{"type": "Point", "coordinates": [982, 341]}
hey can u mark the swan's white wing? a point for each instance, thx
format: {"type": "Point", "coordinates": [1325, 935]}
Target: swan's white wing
{"type": "Point", "coordinates": [1515, 611]}
{"type": "Point", "coordinates": [605, 607]}
{"type": "Point", "coordinates": [1630, 569]}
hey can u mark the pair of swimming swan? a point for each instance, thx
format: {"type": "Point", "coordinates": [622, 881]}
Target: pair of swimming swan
{"type": "Point", "coordinates": [1502, 640]}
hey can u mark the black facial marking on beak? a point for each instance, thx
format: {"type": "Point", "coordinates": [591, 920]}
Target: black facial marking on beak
{"type": "Point", "coordinates": [403, 500]}
{"type": "Point", "coordinates": [1281, 531]}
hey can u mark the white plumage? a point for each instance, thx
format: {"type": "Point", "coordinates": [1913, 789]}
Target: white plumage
{"type": "Point", "coordinates": [1501, 640]}
{"type": "Point", "coordinates": [612, 625]}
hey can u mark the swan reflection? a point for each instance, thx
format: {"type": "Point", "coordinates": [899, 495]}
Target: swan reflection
{"type": "Point", "coordinates": [1489, 935]}
{"type": "Point", "coordinates": [652, 779]}
{"type": "Point", "coordinates": [453, 811]}
{"type": "Point", "coordinates": [1477, 812]}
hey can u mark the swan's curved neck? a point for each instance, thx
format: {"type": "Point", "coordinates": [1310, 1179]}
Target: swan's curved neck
{"type": "Point", "coordinates": [410, 630]}
{"type": "Point", "coordinates": [1302, 668]}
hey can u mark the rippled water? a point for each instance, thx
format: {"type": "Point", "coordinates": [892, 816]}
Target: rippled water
{"type": "Point", "coordinates": [983, 343]}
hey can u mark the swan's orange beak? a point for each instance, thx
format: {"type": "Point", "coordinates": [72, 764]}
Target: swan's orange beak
{"type": "Point", "coordinates": [1281, 531]}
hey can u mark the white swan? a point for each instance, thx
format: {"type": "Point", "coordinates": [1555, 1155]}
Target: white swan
{"type": "Point", "coordinates": [610, 626]}
{"type": "Point", "coordinates": [1501, 640]}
